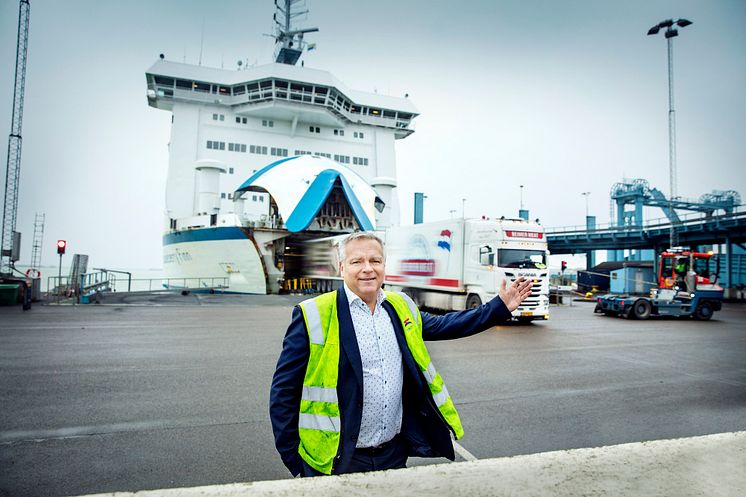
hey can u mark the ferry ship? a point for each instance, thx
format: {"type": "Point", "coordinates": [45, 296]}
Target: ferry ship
{"type": "Point", "coordinates": [264, 158]}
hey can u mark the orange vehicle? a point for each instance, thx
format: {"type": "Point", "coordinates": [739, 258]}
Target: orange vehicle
{"type": "Point", "coordinates": [675, 264]}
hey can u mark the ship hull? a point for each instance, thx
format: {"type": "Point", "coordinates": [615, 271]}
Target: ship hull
{"type": "Point", "coordinates": [209, 257]}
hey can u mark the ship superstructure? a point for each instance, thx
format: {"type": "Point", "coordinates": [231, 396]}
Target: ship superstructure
{"type": "Point", "coordinates": [229, 126]}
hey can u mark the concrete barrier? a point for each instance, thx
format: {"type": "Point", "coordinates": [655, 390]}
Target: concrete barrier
{"type": "Point", "coordinates": [711, 466]}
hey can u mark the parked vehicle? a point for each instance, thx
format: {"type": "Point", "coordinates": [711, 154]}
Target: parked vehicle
{"type": "Point", "coordinates": [685, 288]}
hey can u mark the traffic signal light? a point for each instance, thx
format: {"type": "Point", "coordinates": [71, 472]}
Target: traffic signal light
{"type": "Point", "coordinates": [61, 246]}
{"type": "Point", "coordinates": [564, 266]}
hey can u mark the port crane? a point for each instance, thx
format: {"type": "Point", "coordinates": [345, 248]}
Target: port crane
{"type": "Point", "coordinates": [11, 239]}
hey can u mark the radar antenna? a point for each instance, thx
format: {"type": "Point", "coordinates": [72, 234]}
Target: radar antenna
{"type": "Point", "coordinates": [289, 43]}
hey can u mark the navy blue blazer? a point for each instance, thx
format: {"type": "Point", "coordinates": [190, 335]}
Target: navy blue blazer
{"type": "Point", "coordinates": [425, 432]}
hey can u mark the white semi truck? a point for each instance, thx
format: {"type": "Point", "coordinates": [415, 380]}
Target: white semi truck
{"type": "Point", "coordinates": [456, 264]}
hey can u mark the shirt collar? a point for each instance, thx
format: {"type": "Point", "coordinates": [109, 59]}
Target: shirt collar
{"type": "Point", "coordinates": [352, 296]}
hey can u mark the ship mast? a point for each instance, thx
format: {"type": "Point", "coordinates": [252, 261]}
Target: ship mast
{"type": "Point", "coordinates": [289, 43]}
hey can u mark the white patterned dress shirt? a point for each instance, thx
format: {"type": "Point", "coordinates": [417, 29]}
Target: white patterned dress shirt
{"type": "Point", "coordinates": [383, 373]}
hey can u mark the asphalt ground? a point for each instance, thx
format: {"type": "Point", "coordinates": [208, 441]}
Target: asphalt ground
{"type": "Point", "coordinates": [107, 398]}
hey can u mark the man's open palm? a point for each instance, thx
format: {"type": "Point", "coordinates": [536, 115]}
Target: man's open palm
{"type": "Point", "coordinates": [513, 295]}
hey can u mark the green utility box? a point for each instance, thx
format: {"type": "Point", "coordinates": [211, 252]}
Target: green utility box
{"type": "Point", "coordinates": [9, 293]}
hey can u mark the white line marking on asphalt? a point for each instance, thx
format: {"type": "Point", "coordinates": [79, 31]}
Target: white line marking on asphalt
{"type": "Point", "coordinates": [463, 452]}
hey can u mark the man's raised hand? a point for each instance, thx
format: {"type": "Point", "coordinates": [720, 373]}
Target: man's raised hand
{"type": "Point", "coordinates": [513, 295]}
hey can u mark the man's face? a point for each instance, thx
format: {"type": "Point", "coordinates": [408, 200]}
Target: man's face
{"type": "Point", "coordinates": [363, 268]}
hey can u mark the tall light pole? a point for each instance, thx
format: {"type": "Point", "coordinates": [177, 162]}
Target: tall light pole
{"type": "Point", "coordinates": [586, 194]}
{"type": "Point", "coordinates": [521, 197]}
{"type": "Point", "coordinates": [463, 208]}
{"type": "Point", "coordinates": [670, 33]}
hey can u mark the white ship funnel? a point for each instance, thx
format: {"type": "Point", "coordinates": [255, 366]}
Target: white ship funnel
{"type": "Point", "coordinates": [207, 186]}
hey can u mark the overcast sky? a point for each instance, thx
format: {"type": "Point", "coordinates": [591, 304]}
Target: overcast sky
{"type": "Point", "coordinates": [563, 97]}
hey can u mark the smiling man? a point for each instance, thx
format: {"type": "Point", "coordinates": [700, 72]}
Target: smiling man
{"type": "Point", "coordinates": [355, 389]}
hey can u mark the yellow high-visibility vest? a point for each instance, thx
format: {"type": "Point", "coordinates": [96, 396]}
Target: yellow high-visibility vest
{"type": "Point", "coordinates": [319, 423]}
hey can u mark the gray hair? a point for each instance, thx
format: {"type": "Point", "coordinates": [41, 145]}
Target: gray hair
{"type": "Point", "coordinates": [360, 235]}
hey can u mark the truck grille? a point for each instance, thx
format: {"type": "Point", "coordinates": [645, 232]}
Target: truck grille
{"type": "Point", "coordinates": [532, 301]}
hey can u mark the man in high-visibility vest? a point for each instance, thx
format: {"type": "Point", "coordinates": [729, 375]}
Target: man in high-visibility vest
{"type": "Point", "coordinates": [355, 389]}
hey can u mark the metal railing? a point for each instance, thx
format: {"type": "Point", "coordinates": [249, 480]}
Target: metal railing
{"type": "Point", "coordinates": [106, 281]}
{"type": "Point", "coordinates": [656, 223]}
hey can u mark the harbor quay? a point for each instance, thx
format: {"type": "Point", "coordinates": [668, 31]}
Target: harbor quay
{"type": "Point", "coordinates": [172, 391]}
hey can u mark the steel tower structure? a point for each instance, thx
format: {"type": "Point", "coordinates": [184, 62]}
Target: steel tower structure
{"type": "Point", "coordinates": [10, 248]}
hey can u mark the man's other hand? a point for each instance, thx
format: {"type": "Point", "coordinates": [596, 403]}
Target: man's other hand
{"type": "Point", "coordinates": [513, 295]}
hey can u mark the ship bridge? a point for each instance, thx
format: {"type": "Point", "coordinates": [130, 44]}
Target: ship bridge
{"type": "Point", "coordinates": [278, 91]}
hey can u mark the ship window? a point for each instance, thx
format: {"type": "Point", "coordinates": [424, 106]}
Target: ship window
{"type": "Point", "coordinates": [264, 150]}
{"type": "Point", "coordinates": [244, 120]}
{"type": "Point", "coordinates": [253, 86]}
{"type": "Point", "coordinates": [224, 90]}
{"type": "Point", "coordinates": [266, 84]}
{"type": "Point", "coordinates": [160, 80]}
{"type": "Point", "coordinates": [230, 147]}
{"type": "Point", "coordinates": [296, 87]}
{"type": "Point", "coordinates": [281, 84]}
{"type": "Point", "coordinates": [252, 149]}
{"type": "Point", "coordinates": [230, 196]}
{"type": "Point", "coordinates": [203, 87]}
{"type": "Point", "coordinates": [389, 113]}
{"type": "Point", "coordinates": [243, 147]}
{"type": "Point", "coordinates": [354, 160]}
{"type": "Point", "coordinates": [353, 109]}
{"type": "Point", "coordinates": [238, 120]}
{"type": "Point", "coordinates": [230, 169]}
{"type": "Point", "coordinates": [360, 135]}
{"type": "Point", "coordinates": [222, 145]}
{"type": "Point", "coordinates": [239, 90]}
{"type": "Point", "coordinates": [321, 90]}
{"type": "Point", "coordinates": [365, 161]}
{"type": "Point", "coordinates": [253, 198]}
{"type": "Point", "coordinates": [222, 195]}
{"type": "Point", "coordinates": [405, 116]}
{"type": "Point", "coordinates": [261, 198]}
{"type": "Point", "coordinates": [209, 144]}
{"type": "Point", "coordinates": [183, 84]}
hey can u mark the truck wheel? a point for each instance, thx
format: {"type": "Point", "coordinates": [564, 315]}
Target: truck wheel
{"type": "Point", "coordinates": [704, 311]}
{"type": "Point", "coordinates": [642, 309]}
{"type": "Point", "coordinates": [473, 301]}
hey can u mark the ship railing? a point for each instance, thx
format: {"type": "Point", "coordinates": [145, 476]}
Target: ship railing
{"type": "Point", "coordinates": [276, 93]}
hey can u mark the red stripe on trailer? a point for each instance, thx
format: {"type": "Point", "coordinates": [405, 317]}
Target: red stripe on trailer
{"type": "Point", "coordinates": [444, 282]}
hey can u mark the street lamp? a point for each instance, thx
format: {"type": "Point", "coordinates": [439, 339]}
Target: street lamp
{"type": "Point", "coordinates": [521, 197]}
{"type": "Point", "coordinates": [463, 208]}
{"type": "Point", "coordinates": [670, 33]}
{"type": "Point", "coordinates": [586, 194]}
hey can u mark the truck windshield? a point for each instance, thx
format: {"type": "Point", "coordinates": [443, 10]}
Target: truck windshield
{"type": "Point", "coordinates": [532, 259]}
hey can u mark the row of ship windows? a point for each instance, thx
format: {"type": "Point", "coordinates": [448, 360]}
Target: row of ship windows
{"type": "Point", "coordinates": [271, 124]}
{"type": "Point", "coordinates": [254, 198]}
{"type": "Point", "coordinates": [283, 152]}
{"type": "Point", "coordinates": [253, 149]}
{"type": "Point", "coordinates": [277, 88]}
{"type": "Point", "coordinates": [342, 159]}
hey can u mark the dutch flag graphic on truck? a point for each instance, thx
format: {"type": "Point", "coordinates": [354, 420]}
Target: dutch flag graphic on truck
{"type": "Point", "coordinates": [445, 244]}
